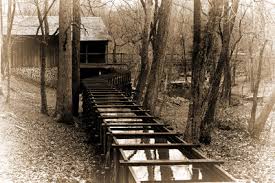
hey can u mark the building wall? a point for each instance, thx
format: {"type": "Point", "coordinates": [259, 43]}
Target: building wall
{"type": "Point", "coordinates": [26, 53]}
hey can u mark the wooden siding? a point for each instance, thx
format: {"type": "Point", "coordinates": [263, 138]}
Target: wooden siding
{"type": "Point", "coordinates": [26, 53]}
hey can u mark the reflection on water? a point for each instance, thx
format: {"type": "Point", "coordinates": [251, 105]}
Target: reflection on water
{"type": "Point", "coordinates": [173, 154]}
{"type": "Point", "coordinates": [163, 173]}
{"type": "Point", "coordinates": [179, 172]}
{"type": "Point", "coordinates": [159, 173]}
{"type": "Point", "coordinates": [166, 171]}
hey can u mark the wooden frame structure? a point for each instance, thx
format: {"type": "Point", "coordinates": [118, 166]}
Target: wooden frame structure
{"type": "Point", "coordinates": [114, 118]}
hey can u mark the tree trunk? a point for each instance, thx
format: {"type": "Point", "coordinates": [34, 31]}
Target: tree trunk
{"type": "Point", "coordinates": [235, 67]}
{"type": "Point", "coordinates": [184, 59]}
{"type": "Point", "coordinates": [159, 46]}
{"type": "Point", "coordinates": [192, 128]}
{"type": "Point", "coordinates": [227, 80]}
{"type": "Point", "coordinates": [44, 108]}
{"type": "Point", "coordinates": [255, 92]}
{"type": "Point", "coordinates": [209, 117]}
{"type": "Point", "coordinates": [64, 83]}
{"type": "Point", "coordinates": [114, 53]}
{"type": "Point", "coordinates": [145, 66]}
{"type": "Point", "coordinates": [11, 13]}
{"type": "Point", "coordinates": [261, 120]}
{"type": "Point", "coordinates": [76, 56]}
{"type": "Point", "coordinates": [202, 52]}
{"type": "Point", "coordinates": [1, 45]}
{"type": "Point", "coordinates": [44, 27]}
{"type": "Point", "coordinates": [251, 66]}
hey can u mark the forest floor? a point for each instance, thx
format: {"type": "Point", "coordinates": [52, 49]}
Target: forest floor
{"type": "Point", "coordinates": [245, 158]}
{"type": "Point", "coordinates": [35, 148]}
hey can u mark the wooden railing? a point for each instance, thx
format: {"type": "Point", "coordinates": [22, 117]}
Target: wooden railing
{"type": "Point", "coordinates": [122, 82]}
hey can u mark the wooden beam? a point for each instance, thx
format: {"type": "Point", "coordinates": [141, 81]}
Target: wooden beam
{"type": "Point", "coordinates": [93, 88]}
{"type": "Point", "coordinates": [120, 111]}
{"type": "Point", "coordinates": [116, 106]}
{"type": "Point", "coordinates": [154, 146]}
{"type": "Point", "coordinates": [114, 102]}
{"type": "Point", "coordinates": [132, 124]}
{"type": "Point", "coordinates": [129, 129]}
{"type": "Point", "coordinates": [182, 181]}
{"type": "Point", "coordinates": [103, 90]}
{"type": "Point", "coordinates": [126, 117]}
{"type": "Point", "coordinates": [112, 98]}
{"type": "Point", "coordinates": [107, 95]}
{"type": "Point", "coordinates": [143, 134]}
{"type": "Point", "coordinates": [169, 162]}
{"type": "Point", "coordinates": [107, 92]}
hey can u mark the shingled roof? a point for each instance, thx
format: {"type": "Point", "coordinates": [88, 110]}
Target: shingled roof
{"type": "Point", "coordinates": [95, 29]}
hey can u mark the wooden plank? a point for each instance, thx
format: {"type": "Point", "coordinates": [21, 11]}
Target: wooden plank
{"type": "Point", "coordinates": [107, 92]}
{"type": "Point", "coordinates": [97, 84]}
{"type": "Point", "coordinates": [169, 162]}
{"type": "Point", "coordinates": [125, 121]}
{"type": "Point", "coordinates": [182, 181]}
{"type": "Point", "coordinates": [107, 95]}
{"type": "Point", "coordinates": [120, 111]}
{"type": "Point", "coordinates": [126, 117]}
{"type": "Point", "coordinates": [111, 98]}
{"type": "Point", "coordinates": [154, 146]}
{"type": "Point", "coordinates": [129, 129]}
{"type": "Point", "coordinates": [103, 90]}
{"type": "Point", "coordinates": [116, 106]}
{"type": "Point", "coordinates": [132, 124]}
{"type": "Point", "coordinates": [111, 95]}
{"type": "Point", "coordinates": [114, 102]}
{"type": "Point", "coordinates": [143, 134]}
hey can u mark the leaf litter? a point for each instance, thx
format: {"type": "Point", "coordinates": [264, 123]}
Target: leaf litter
{"type": "Point", "coordinates": [35, 148]}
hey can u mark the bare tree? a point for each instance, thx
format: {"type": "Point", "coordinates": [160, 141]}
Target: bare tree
{"type": "Point", "coordinates": [203, 51]}
{"type": "Point", "coordinates": [43, 41]}
{"type": "Point", "coordinates": [43, 44]}
{"type": "Point", "coordinates": [159, 42]}
{"type": "Point", "coordinates": [76, 56]}
{"type": "Point", "coordinates": [145, 65]}
{"type": "Point", "coordinates": [1, 45]}
{"type": "Point", "coordinates": [193, 124]}
{"type": "Point", "coordinates": [256, 89]}
{"type": "Point", "coordinates": [64, 83]}
{"type": "Point", "coordinates": [261, 120]}
{"type": "Point", "coordinates": [209, 116]}
{"type": "Point", "coordinates": [11, 13]}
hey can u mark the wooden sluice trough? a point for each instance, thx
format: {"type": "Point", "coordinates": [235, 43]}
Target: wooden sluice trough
{"type": "Point", "coordinates": [137, 147]}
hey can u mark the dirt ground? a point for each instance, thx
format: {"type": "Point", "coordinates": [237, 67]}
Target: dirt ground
{"type": "Point", "coordinates": [35, 148]}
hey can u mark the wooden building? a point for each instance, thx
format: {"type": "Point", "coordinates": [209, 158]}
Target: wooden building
{"type": "Point", "coordinates": [26, 41]}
